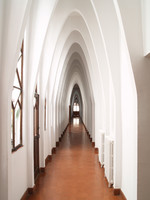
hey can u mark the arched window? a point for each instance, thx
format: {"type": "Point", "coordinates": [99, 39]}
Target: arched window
{"type": "Point", "coordinates": [17, 105]}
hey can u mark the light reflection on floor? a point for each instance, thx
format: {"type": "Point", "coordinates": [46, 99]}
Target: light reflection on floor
{"type": "Point", "coordinates": [76, 121]}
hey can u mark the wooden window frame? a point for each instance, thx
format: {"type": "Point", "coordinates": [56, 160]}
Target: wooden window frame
{"type": "Point", "coordinates": [20, 103]}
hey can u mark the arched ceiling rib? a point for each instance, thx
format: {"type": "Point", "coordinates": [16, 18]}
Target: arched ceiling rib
{"type": "Point", "coordinates": [72, 52]}
{"type": "Point", "coordinates": [74, 22]}
{"type": "Point", "coordinates": [75, 26]}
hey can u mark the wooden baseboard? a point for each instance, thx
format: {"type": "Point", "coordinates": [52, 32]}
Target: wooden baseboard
{"type": "Point", "coordinates": [54, 150]}
{"type": "Point", "coordinates": [117, 192]}
{"type": "Point", "coordinates": [85, 128]}
{"type": "Point", "coordinates": [48, 159]}
{"type": "Point", "coordinates": [31, 190]}
{"type": "Point", "coordinates": [42, 169]}
{"type": "Point", "coordinates": [96, 150]}
{"type": "Point", "coordinates": [93, 144]}
{"type": "Point", "coordinates": [57, 144]}
{"type": "Point", "coordinates": [65, 128]}
{"type": "Point", "coordinates": [27, 193]}
{"type": "Point", "coordinates": [25, 196]}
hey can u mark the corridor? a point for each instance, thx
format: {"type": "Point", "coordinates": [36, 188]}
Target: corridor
{"type": "Point", "coordinates": [74, 172]}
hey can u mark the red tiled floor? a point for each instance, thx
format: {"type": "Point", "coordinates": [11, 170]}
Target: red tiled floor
{"type": "Point", "coordinates": [74, 172]}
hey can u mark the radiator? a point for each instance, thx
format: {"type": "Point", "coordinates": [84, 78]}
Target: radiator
{"type": "Point", "coordinates": [109, 160]}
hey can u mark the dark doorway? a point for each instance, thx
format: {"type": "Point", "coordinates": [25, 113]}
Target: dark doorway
{"type": "Point", "coordinates": [36, 135]}
{"type": "Point", "coordinates": [76, 102]}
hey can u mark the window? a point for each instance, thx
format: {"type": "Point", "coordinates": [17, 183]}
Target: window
{"type": "Point", "coordinates": [17, 104]}
{"type": "Point", "coordinates": [45, 115]}
{"type": "Point", "coordinates": [76, 107]}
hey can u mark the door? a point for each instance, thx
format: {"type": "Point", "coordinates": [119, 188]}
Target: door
{"type": "Point", "coordinates": [36, 135]}
{"type": "Point", "coordinates": [69, 113]}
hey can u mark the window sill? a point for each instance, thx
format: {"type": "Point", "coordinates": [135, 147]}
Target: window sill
{"type": "Point", "coordinates": [16, 148]}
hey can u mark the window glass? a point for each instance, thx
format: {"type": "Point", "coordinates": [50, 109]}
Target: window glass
{"type": "Point", "coordinates": [76, 107]}
{"type": "Point", "coordinates": [19, 66]}
{"type": "Point", "coordinates": [16, 81]}
{"type": "Point", "coordinates": [12, 111]}
{"type": "Point", "coordinates": [15, 96]}
{"type": "Point", "coordinates": [17, 125]}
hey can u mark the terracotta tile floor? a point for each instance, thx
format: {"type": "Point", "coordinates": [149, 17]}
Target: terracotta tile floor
{"type": "Point", "coordinates": [74, 172]}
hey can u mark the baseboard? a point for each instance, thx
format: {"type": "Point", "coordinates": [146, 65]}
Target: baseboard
{"type": "Point", "coordinates": [31, 190]}
{"type": "Point", "coordinates": [25, 196]}
{"type": "Point", "coordinates": [57, 144]}
{"type": "Point", "coordinates": [54, 150]}
{"type": "Point", "coordinates": [42, 169]}
{"type": "Point", "coordinates": [117, 192]}
{"type": "Point", "coordinates": [48, 159]}
{"type": "Point", "coordinates": [93, 144]}
{"type": "Point", "coordinates": [65, 129]}
{"type": "Point", "coordinates": [85, 128]}
{"type": "Point", "coordinates": [27, 193]}
{"type": "Point", "coordinates": [96, 150]}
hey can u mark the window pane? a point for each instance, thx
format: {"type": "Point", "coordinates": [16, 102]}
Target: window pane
{"type": "Point", "coordinates": [12, 127]}
{"type": "Point", "coordinates": [74, 107]}
{"type": "Point", "coordinates": [20, 54]}
{"type": "Point", "coordinates": [17, 125]}
{"type": "Point", "coordinates": [77, 108]}
{"type": "Point", "coordinates": [15, 95]}
{"type": "Point", "coordinates": [16, 82]}
{"type": "Point", "coordinates": [19, 67]}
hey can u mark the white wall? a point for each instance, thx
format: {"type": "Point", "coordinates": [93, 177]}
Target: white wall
{"type": "Point", "coordinates": [132, 22]}
{"type": "Point", "coordinates": [145, 26]}
{"type": "Point", "coordinates": [19, 173]}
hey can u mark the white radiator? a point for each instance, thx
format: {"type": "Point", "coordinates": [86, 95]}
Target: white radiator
{"type": "Point", "coordinates": [109, 160]}
{"type": "Point", "coordinates": [102, 146]}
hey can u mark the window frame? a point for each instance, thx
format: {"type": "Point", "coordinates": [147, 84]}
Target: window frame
{"type": "Point", "coordinates": [20, 103]}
